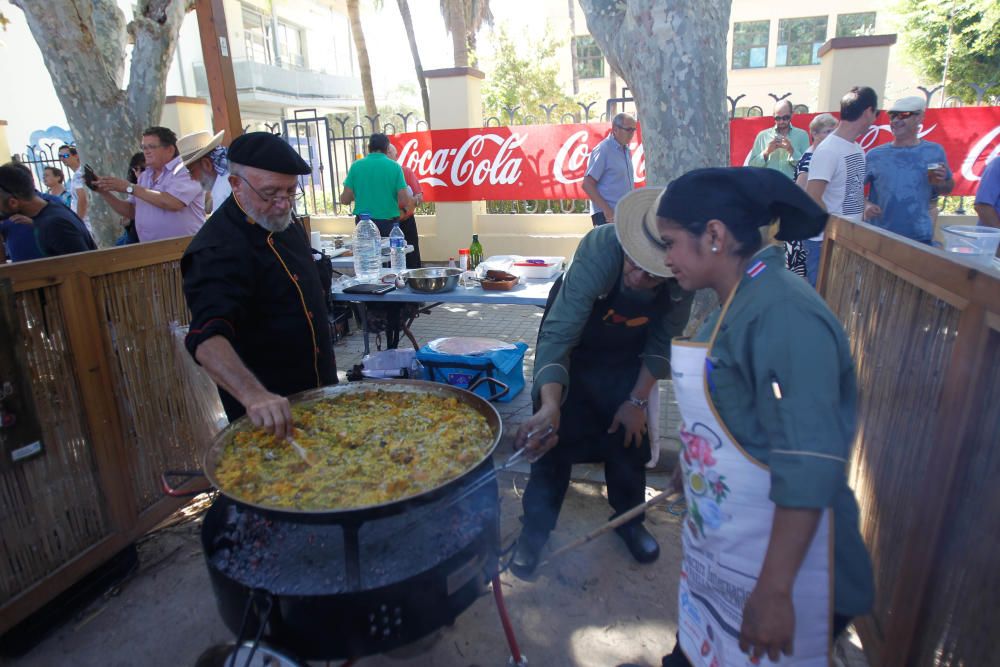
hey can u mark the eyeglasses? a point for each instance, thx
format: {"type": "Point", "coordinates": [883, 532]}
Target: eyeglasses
{"type": "Point", "coordinates": [64, 156]}
{"type": "Point", "coordinates": [273, 199]}
{"type": "Point", "coordinates": [902, 114]}
{"type": "Point", "coordinates": [787, 116]}
{"type": "Point", "coordinates": [149, 147]}
{"type": "Point", "coordinates": [627, 129]}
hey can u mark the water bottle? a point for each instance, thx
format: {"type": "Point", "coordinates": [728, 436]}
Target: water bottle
{"type": "Point", "coordinates": [397, 249]}
{"type": "Point", "coordinates": [367, 250]}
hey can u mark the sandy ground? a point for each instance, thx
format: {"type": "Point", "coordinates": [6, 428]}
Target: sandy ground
{"type": "Point", "coordinates": [595, 607]}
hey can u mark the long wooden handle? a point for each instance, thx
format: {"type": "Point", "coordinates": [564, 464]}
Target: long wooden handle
{"type": "Point", "coordinates": [610, 525]}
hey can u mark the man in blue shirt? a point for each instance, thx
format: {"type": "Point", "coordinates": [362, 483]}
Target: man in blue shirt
{"type": "Point", "coordinates": [56, 229]}
{"type": "Point", "coordinates": [905, 175]}
{"type": "Point", "coordinates": [610, 175]}
{"type": "Point", "coordinates": [988, 195]}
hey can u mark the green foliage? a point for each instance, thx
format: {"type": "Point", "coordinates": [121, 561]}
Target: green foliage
{"type": "Point", "coordinates": [975, 42]}
{"type": "Point", "coordinates": [526, 74]}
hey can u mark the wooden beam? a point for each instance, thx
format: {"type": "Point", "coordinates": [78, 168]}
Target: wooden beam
{"type": "Point", "coordinates": [217, 55]}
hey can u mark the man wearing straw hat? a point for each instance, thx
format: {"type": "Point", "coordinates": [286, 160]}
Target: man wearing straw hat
{"type": "Point", "coordinates": [205, 157]}
{"type": "Point", "coordinates": [603, 343]}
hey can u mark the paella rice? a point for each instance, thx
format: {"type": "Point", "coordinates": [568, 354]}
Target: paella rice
{"type": "Point", "coordinates": [368, 448]}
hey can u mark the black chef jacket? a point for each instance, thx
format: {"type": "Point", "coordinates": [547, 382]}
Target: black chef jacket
{"type": "Point", "coordinates": [262, 292]}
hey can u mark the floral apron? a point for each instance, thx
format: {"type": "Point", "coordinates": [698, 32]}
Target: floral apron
{"type": "Point", "coordinates": [726, 533]}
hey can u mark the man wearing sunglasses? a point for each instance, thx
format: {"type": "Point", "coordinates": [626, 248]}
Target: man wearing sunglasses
{"type": "Point", "coordinates": [610, 174]}
{"type": "Point", "coordinates": [906, 175]}
{"type": "Point", "coordinates": [78, 201]}
{"type": "Point", "coordinates": [780, 147]}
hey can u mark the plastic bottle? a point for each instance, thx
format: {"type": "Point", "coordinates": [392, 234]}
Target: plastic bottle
{"type": "Point", "coordinates": [367, 250]}
{"type": "Point", "coordinates": [475, 252]}
{"type": "Point", "coordinates": [397, 249]}
{"type": "Point", "coordinates": [463, 259]}
{"type": "Point", "coordinates": [451, 263]}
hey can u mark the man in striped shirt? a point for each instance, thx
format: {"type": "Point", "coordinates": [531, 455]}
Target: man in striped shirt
{"type": "Point", "coordinates": [837, 170]}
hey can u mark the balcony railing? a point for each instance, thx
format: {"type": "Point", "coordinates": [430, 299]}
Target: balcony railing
{"type": "Point", "coordinates": [271, 80]}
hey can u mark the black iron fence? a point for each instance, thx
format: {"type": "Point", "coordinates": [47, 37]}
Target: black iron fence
{"type": "Point", "coordinates": [40, 156]}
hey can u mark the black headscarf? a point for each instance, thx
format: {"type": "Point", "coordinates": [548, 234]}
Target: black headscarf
{"type": "Point", "coordinates": [743, 197]}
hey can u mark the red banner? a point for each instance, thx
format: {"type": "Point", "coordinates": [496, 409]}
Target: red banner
{"type": "Point", "coordinates": [548, 161]}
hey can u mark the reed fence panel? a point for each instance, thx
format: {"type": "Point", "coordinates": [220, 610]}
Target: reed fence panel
{"type": "Point", "coordinates": [924, 331]}
{"type": "Point", "coordinates": [115, 411]}
{"type": "Point", "coordinates": [52, 505]}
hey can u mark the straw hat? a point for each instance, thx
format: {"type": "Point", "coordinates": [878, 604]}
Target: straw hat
{"type": "Point", "coordinates": [635, 225]}
{"type": "Point", "coordinates": [195, 146]}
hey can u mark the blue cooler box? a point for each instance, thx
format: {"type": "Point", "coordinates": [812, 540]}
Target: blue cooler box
{"type": "Point", "coordinates": [462, 370]}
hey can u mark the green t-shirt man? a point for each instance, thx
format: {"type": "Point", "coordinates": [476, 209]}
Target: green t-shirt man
{"type": "Point", "coordinates": [374, 184]}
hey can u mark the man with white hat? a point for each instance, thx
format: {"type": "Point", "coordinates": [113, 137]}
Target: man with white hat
{"type": "Point", "coordinates": [603, 343]}
{"type": "Point", "coordinates": [906, 174]}
{"type": "Point", "coordinates": [205, 157]}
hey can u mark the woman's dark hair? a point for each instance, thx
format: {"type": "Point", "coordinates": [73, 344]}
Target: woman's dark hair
{"type": "Point", "coordinates": [164, 134]}
{"type": "Point", "coordinates": [378, 143]}
{"type": "Point", "coordinates": [138, 160]}
{"type": "Point", "coordinates": [57, 173]}
{"type": "Point", "coordinates": [749, 239]}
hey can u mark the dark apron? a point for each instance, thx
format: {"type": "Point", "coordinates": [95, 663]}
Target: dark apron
{"type": "Point", "coordinates": [603, 369]}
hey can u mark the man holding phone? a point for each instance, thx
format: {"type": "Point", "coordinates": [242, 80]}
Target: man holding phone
{"type": "Point", "coordinates": [166, 202]}
{"type": "Point", "coordinates": [781, 146]}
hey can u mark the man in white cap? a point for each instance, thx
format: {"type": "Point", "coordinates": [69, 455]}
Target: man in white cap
{"type": "Point", "coordinates": [906, 174]}
{"type": "Point", "coordinates": [205, 157]}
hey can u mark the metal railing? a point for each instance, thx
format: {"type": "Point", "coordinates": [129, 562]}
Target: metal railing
{"type": "Point", "coordinates": [331, 144]}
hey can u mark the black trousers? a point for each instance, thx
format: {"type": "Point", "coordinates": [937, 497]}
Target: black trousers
{"type": "Point", "coordinates": [549, 481]}
{"type": "Point", "coordinates": [678, 659]}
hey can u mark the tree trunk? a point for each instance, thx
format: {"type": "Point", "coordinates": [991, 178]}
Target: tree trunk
{"type": "Point", "coordinates": [404, 11]}
{"type": "Point", "coordinates": [572, 45]}
{"type": "Point", "coordinates": [364, 66]}
{"type": "Point", "coordinates": [83, 45]}
{"type": "Point", "coordinates": [455, 21]}
{"type": "Point", "coordinates": [671, 54]}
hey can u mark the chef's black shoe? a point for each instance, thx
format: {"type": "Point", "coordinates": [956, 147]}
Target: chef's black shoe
{"type": "Point", "coordinates": [527, 553]}
{"type": "Point", "coordinates": [640, 543]}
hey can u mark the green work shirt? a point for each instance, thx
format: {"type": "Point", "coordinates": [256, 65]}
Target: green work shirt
{"type": "Point", "coordinates": [592, 274]}
{"type": "Point", "coordinates": [376, 181]}
{"type": "Point", "coordinates": [779, 160]}
{"type": "Point", "coordinates": [779, 330]}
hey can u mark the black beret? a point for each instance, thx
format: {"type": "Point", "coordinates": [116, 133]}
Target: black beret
{"type": "Point", "coordinates": [743, 197]}
{"type": "Point", "coordinates": [267, 151]}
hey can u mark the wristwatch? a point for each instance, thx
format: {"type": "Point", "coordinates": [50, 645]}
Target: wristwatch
{"type": "Point", "coordinates": [640, 403]}
{"type": "Point", "coordinates": [130, 189]}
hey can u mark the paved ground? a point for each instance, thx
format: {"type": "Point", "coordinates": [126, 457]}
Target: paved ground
{"type": "Point", "coordinates": [598, 608]}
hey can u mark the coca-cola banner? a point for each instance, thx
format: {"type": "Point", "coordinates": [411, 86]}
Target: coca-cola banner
{"type": "Point", "coordinates": [549, 161]}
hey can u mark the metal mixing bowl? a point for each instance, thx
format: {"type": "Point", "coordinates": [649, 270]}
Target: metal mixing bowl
{"type": "Point", "coordinates": [432, 280]}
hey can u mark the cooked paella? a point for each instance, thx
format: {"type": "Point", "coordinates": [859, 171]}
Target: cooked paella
{"type": "Point", "coordinates": [362, 449]}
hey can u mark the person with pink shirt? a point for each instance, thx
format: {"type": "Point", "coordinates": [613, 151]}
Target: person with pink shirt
{"type": "Point", "coordinates": [164, 203]}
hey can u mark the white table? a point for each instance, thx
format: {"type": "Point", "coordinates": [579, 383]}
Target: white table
{"type": "Point", "coordinates": [525, 293]}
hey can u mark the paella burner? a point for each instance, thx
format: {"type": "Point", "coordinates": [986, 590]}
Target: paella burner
{"type": "Point", "coordinates": [343, 589]}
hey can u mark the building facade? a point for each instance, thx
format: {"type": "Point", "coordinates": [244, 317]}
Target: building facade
{"type": "Point", "coordinates": [772, 47]}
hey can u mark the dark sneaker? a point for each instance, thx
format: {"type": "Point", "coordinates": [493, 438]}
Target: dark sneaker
{"type": "Point", "coordinates": [527, 553]}
{"type": "Point", "coordinates": [640, 543]}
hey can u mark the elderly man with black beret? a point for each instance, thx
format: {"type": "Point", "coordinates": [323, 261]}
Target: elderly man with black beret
{"type": "Point", "coordinates": [258, 310]}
